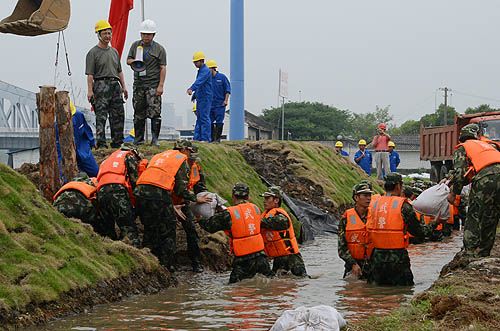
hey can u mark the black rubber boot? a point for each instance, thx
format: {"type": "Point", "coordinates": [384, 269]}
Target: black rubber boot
{"type": "Point", "coordinates": [218, 129]}
{"type": "Point", "coordinates": [197, 267]}
{"type": "Point", "coordinates": [214, 132]}
{"type": "Point", "coordinates": [155, 131]}
{"type": "Point", "coordinates": [139, 126]}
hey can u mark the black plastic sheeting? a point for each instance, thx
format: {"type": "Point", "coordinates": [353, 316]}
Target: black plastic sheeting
{"type": "Point", "coordinates": [314, 220]}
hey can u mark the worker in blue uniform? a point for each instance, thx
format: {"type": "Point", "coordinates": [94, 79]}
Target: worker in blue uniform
{"type": "Point", "coordinates": [202, 89]}
{"type": "Point", "coordinates": [363, 157]}
{"type": "Point", "coordinates": [393, 157]}
{"type": "Point", "coordinates": [338, 149]}
{"type": "Point", "coordinates": [222, 89]}
{"type": "Point", "coordinates": [84, 141]}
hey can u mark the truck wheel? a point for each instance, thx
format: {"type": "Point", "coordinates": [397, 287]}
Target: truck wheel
{"type": "Point", "coordinates": [435, 172]}
{"type": "Point", "coordinates": [443, 172]}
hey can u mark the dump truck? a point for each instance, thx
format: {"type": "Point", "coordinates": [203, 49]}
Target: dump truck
{"type": "Point", "coordinates": [437, 144]}
{"type": "Point", "coordinates": [37, 17]}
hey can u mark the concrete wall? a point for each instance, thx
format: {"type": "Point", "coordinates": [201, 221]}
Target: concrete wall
{"type": "Point", "coordinates": [28, 156]}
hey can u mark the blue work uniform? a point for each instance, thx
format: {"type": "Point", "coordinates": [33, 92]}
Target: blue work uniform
{"type": "Point", "coordinates": [203, 95]}
{"type": "Point", "coordinates": [366, 162]}
{"type": "Point", "coordinates": [343, 153]}
{"type": "Point", "coordinates": [394, 161]}
{"type": "Point", "coordinates": [84, 141]}
{"type": "Point", "coordinates": [220, 87]}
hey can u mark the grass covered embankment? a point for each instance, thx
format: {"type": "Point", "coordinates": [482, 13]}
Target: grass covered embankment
{"type": "Point", "coordinates": [45, 257]}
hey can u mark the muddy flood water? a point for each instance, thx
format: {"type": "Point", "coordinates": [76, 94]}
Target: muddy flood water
{"type": "Point", "coordinates": [207, 302]}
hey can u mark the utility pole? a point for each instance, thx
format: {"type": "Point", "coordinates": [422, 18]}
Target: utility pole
{"type": "Point", "coordinates": [445, 113]}
{"type": "Point", "coordinates": [142, 10]}
{"type": "Point", "coordinates": [283, 119]}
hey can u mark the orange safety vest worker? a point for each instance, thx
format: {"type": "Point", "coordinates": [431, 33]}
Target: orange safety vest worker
{"type": "Point", "coordinates": [356, 236]}
{"type": "Point", "coordinates": [279, 243]}
{"type": "Point", "coordinates": [87, 190]}
{"type": "Point", "coordinates": [245, 235]}
{"type": "Point", "coordinates": [386, 228]}
{"type": "Point", "coordinates": [162, 169]}
{"type": "Point", "coordinates": [194, 177]}
{"type": "Point", "coordinates": [114, 171]}
{"type": "Point", "coordinates": [481, 155]}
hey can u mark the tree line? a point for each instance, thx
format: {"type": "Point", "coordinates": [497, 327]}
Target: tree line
{"type": "Point", "coordinates": [317, 121]}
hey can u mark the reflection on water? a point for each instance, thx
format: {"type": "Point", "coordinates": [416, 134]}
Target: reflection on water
{"type": "Point", "coordinates": [208, 302]}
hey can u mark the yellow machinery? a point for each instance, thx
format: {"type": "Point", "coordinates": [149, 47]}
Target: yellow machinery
{"type": "Point", "coordinates": [36, 17]}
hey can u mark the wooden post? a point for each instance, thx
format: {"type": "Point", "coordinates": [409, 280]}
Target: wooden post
{"type": "Point", "coordinates": [49, 168]}
{"type": "Point", "coordinates": [69, 167]}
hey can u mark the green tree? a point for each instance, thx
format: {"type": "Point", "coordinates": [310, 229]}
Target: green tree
{"type": "Point", "coordinates": [408, 127]}
{"type": "Point", "coordinates": [437, 118]}
{"type": "Point", "coordinates": [364, 126]}
{"type": "Point", "coordinates": [311, 121]}
{"type": "Point", "coordinates": [480, 109]}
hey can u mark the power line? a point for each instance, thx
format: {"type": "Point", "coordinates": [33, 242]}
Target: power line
{"type": "Point", "coordinates": [476, 96]}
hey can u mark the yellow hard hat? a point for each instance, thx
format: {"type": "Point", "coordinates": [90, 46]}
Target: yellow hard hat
{"type": "Point", "coordinates": [198, 56]}
{"type": "Point", "coordinates": [132, 132]}
{"type": "Point", "coordinates": [391, 144]}
{"type": "Point", "coordinates": [102, 25]}
{"type": "Point", "coordinates": [339, 144]}
{"type": "Point", "coordinates": [362, 142]}
{"type": "Point", "coordinates": [194, 107]}
{"type": "Point", "coordinates": [211, 64]}
{"type": "Point", "coordinates": [72, 107]}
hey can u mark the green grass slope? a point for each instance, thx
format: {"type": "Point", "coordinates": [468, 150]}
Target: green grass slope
{"type": "Point", "coordinates": [323, 166]}
{"type": "Point", "coordinates": [43, 254]}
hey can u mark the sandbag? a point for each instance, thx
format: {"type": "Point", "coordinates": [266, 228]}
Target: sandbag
{"type": "Point", "coordinates": [318, 318]}
{"type": "Point", "coordinates": [209, 208]}
{"type": "Point", "coordinates": [433, 201]}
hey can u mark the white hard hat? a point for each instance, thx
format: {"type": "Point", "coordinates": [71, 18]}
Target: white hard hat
{"type": "Point", "coordinates": [148, 26]}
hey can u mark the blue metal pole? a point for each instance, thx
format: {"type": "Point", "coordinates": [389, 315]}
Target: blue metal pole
{"type": "Point", "coordinates": [237, 101]}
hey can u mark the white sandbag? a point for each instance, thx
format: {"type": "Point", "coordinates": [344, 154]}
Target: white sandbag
{"type": "Point", "coordinates": [319, 318]}
{"type": "Point", "coordinates": [209, 208]}
{"type": "Point", "coordinates": [433, 201]}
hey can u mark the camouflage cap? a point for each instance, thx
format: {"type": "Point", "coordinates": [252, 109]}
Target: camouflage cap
{"type": "Point", "coordinates": [194, 148]}
{"type": "Point", "coordinates": [470, 131]}
{"type": "Point", "coordinates": [367, 182]}
{"type": "Point", "coordinates": [241, 190]}
{"type": "Point", "coordinates": [129, 146]}
{"type": "Point", "coordinates": [393, 178]}
{"type": "Point", "coordinates": [408, 191]}
{"type": "Point", "coordinates": [182, 143]}
{"type": "Point", "coordinates": [362, 187]}
{"type": "Point", "coordinates": [273, 191]}
{"type": "Point", "coordinates": [194, 156]}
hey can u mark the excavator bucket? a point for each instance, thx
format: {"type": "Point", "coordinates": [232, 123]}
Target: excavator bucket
{"type": "Point", "coordinates": [36, 17]}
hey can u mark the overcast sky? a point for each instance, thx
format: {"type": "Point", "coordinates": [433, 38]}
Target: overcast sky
{"type": "Point", "coordinates": [350, 54]}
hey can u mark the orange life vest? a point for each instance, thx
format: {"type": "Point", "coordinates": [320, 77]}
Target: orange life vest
{"type": "Point", "coordinates": [451, 220]}
{"type": "Point", "coordinates": [142, 166]}
{"type": "Point", "coordinates": [194, 177]}
{"type": "Point", "coordinates": [356, 236]}
{"type": "Point", "coordinates": [375, 198]}
{"type": "Point", "coordinates": [162, 169]}
{"type": "Point", "coordinates": [429, 219]}
{"type": "Point", "coordinates": [87, 190]}
{"type": "Point", "coordinates": [386, 228]}
{"type": "Point", "coordinates": [279, 243]}
{"type": "Point", "coordinates": [94, 180]}
{"type": "Point", "coordinates": [481, 154]}
{"type": "Point", "coordinates": [114, 171]}
{"type": "Point", "coordinates": [245, 235]}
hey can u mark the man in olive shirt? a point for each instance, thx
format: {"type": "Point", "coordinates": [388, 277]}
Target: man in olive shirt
{"type": "Point", "coordinates": [148, 84]}
{"type": "Point", "coordinates": [105, 85]}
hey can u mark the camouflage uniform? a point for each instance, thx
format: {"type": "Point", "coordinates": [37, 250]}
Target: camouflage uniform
{"type": "Point", "coordinates": [188, 225]}
{"type": "Point", "coordinates": [108, 101]}
{"type": "Point", "coordinates": [343, 250]}
{"type": "Point", "coordinates": [115, 204]}
{"type": "Point", "coordinates": [392, 266]}
{"type": "Point", "coordinates": [72, 203]}
{"type": "Point", "coordinates": [246, 266]}
{"type": "Point", "coordinates": [484, 198]}
{"type": "Point", "coordinates": [156, 210]}
{"type": "Point", "coordinates": [279, 222]}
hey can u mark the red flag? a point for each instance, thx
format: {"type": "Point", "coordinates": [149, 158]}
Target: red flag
{"type": "Point", "coordinates": [118, 18]}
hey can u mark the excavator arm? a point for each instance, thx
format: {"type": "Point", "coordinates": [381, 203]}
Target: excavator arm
{"type": "Point", "coordinates": [36, 17]}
